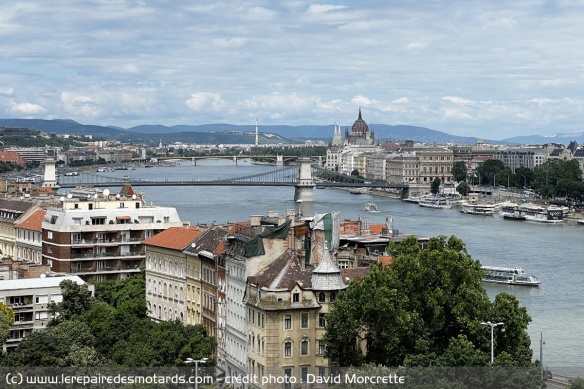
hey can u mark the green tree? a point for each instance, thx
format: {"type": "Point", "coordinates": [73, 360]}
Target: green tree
{"type": "Point", "coordinates": [76, 300]}
{"type": "Point", "coordinates": [459, 171]}
{"type": "Point", "coordinates": [489, 172]}
{"type": "Point", "coordinates": [423, 309]}
{"type": "Point", "coordinates": [463, 188]}
{"type": "Point", "coordinates": [435, 186]}
{"type": "Point", "coordinates": [576, 383]}
{"type": "Point", "coordinates": [6, 320]}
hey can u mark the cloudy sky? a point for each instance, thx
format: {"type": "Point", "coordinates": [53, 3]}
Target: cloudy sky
{"type": "Point", "coordinates": [491, 69]}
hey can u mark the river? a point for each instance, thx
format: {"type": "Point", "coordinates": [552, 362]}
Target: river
{"type": "Point", "coordinates": [552, 252]}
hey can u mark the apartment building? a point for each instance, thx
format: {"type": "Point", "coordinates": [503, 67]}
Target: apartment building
{"type": "Point", "coordinates": [166, 273]}
{"type": "Point", "coordinates": [99, 235]}
{"type": "Point", "coordinates": [521, 157]}
{"type": "Point", "coordinates": [12, 212]}
{"type": "Point", "coordinates": [29, 299]}
{"type": "Point", "coordinates": [29, 238]}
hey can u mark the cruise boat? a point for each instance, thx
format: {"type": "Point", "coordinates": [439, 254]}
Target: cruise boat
{"type": "Point", "coordinates": [511, 211]}
{"type": "Point", "coordinates": [371, 207]}
{"type": "Point", "coordinates": [508, 275]}
{"type": "Point", "coordinates": [433, 201]}
{"type": "Point", "coordinates": [581, 222]}
{"type": "Point", "coordinates": [475, 207]}
{"type": "Point", "coordinates": [541, 214]}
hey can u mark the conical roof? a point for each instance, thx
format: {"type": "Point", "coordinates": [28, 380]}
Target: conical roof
{"type": "Point", "coordinates": [327, 276]}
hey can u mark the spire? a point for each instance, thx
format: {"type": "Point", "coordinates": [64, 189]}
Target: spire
{"type": "Point", "coordinates": [360, 113]}
{"type": "Point", "coordinates": [327, 276]}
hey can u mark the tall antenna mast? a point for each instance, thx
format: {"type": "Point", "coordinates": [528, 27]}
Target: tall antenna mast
{"type": "Point", "coordinates": [257, 133]}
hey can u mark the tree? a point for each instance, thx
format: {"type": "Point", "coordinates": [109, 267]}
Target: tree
{"type": "Point", "coordinates": [489, 171]}
{"type": "Point", "coordinates": [76, 300]}
{"type": "Point", "coordinates": [435, 186]}
{"type": "Point", "coordinates": [463, 188]}
{"type": "Point", "coordinates": [423, 309]}
{"type": "Point", "coordinates": [576, 383]}
{"type": "Point", "coordinates": [6, 320]}
{"type": "Point", "coordinates": [459, 171]}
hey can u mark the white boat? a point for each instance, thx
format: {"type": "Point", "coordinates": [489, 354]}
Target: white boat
{"type": "Point", "coordinates": [511, 211]}
{"type": "Point", "coordinates": [415, 199]}
{"type": "Point", "coordinates": [433, 201]}
{"type": "Point", "coordinates": [581, 222]}
{"type": "Point", "coordinates": [508, 275]}
{"type": "Point", "coordinates": [371, 207]}
{"type": "Point", "coordinates": [477, 208]}
{"type": "Point", "coordinates": [541, 214]}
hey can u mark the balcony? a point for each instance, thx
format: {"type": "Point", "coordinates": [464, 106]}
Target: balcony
{"type": "Point", "coordinates": [106, 269]}
{"type": "Point", "coordinates": [105, 255]}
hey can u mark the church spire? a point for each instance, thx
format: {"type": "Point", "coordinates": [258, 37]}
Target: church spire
{"type": "Point", "coordinates": [360, 114]}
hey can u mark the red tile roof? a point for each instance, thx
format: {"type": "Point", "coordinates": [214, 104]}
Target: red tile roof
{"type": "Point", "coordinates": [177, 238]}
{"type": "Point", "coordinates": [34, 222]}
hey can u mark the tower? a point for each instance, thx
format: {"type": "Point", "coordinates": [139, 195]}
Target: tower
{"type": "Point", "coordinates": [50, 179]}
{"type": "Point", "coordinates": [257, 134]}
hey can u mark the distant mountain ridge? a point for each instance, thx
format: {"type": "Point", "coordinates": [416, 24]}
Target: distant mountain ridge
{"type": "Point", "coordinates": [222, 133]}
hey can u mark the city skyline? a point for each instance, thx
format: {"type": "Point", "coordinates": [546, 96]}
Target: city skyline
{"type": "Point", "coordinates": [487, 70]}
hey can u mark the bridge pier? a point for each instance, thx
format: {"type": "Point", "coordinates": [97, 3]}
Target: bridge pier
{"type": "Point", "coordinates": [279, 160]}
{"type": "Point", "coordinates": [234, 160]}
{"type": "Point", "coordinates": [194, 161]}
{"type": "Point", "coordinates": [304, 188]}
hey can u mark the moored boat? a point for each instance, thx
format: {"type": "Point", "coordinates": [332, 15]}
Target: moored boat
{"type": "Point", "coordinates": [508, 275]}
{"type": "Point", "coordinates": [541, 214]}
{"type": "Point", "coordinates": [511, 211]}
{"type": "Point", "coordinates": [475, 207]}
{"type": "Point", "coordinates": [433, 201]}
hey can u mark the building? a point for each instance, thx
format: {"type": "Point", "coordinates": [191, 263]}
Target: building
{"type": "Point", "coordinates": [99, 235]}
{"type": "Point", "coordinates": [12, 212]}
{"type": "Point", "coordinates": [249, 246]}
{"type": "Point", "coordinates": [29, 299]}
{"type": "Point", "coordinates": [29, 238]}
{"type": "Point", "coordinates": [166, 273]}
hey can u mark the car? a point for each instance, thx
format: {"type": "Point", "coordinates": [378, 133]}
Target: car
{"type": "Point", "coordinates": [547, 374]}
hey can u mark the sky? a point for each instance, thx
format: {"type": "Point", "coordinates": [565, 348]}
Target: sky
{"type": "Point", "coordinates": [489, 69]}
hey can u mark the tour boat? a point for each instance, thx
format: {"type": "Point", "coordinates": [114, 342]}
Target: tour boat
{"type": "Point", "coordinates": [371, 207]}
{"type": "Point", "coordinates": [433, 201]}
{"type": "Point", "coordinates": [511, 211]}
{"type": "Point", "coordinates": [541, 214]}
{"type": "Point", "coordinates": [477, 208]}
{"type": "Point", "coordinates": [508, 275]}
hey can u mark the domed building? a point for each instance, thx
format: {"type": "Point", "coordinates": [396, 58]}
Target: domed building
{"type": "Point", "coordinates": [359, 134]}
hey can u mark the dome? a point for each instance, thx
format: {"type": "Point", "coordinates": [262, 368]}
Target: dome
{"type": "Point", "coordinates": [360, 127]}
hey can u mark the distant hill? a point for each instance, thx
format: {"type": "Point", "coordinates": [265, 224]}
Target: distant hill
{"type": "Point", "coordinates": [552, 138]}
{"type": "Point", "coordinates": [222, 133]}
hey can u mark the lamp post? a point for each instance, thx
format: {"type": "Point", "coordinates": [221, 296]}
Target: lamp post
{"type": "Point", "coordinates": [493, 325]}
{"type": "Point", "coordinates": [196, 362]}
{"type": "Point", "coordinates": [541, 343]}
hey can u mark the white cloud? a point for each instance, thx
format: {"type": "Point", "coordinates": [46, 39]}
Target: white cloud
{"type": "Point", "coordinates": [416, 45]}
{"type": "Point", "coordinates": [458, 100]}
{"type": "Point", "coordinates": [79, 105]}
{"type": "Point", "coordinates": [322, 8]}
{"type": "Point", "coordinates": [27, 109]}
{"type": "Point", "coordinates": [201, 101]}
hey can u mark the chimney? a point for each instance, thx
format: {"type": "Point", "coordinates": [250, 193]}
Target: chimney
{"type": "Point", "coordinates": [255, 220]}
{"type": "Point", "coordinates": [186, 224]}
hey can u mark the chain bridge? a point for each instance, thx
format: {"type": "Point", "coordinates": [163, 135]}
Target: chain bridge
{"type": "Point", "coordinates": [304, 177]}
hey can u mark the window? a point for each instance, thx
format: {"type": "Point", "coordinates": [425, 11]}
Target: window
{"type": "Point", "coordinates": [333, 296]}
{"type": "Point", "coordinates": [321, 347]}
{"type": "Point", "coordinates": [321, 320]}
{"type": "Point", "coordinates": [304, 347]}
{"type": "Point", "coordinates": [321, 297]}
{"type": "Point", "coordinates": [304, 373]}
{"type": "Point", "coordinates": [287, 349]}
{"type": "Point", "coordinates": [97, 221]}
{"type": "Point", "coordinates": [287, 322]}
{"type": "Point", "coordinates": [49, 234]}
{"type": "Point", "coordinates": [304, 320]}
{"type": "Point", "coordinates": [295, 297]}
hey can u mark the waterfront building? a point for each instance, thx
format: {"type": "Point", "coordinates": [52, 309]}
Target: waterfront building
{"type": "Point", "coordinates": [12, 157]}
{"type": "Point", "coordinates": [528, 157]}
{"type": "Point", "coordinates": [402, 169]}
{"type": "Point", "coordinates": [29, 238]}
{"type": "Point", "coordinates": [12, 212]}
{"type": "Point", "coordinates": [166, 273]}
{"type": "Point", "coordinates": [29, 299]}
{"type": "Point", "coordinates": [435, 162]}
{"type": "Point", "coordinates": [99, 235]}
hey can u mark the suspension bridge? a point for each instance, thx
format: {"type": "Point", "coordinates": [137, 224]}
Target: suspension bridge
{"type": "Point", "coordinates": [303, 177]}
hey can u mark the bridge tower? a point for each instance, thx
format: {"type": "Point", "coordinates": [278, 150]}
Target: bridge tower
{"type": "Point", "coordinates": [50, 179]}
{"type": "Point", "coordinates": [304, 188]}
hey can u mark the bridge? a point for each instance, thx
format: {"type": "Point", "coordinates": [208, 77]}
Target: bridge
{"type": "Point", "coordinates": [303, 177]}
{"type": "Point", "coordinates": [280, 160]}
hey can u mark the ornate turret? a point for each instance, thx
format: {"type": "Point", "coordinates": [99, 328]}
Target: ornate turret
{"type": "Point", "coordinates": [327, 276]}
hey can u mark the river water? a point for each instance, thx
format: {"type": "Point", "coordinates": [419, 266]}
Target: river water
{"type": "Point", "coordinates": [552, 252]}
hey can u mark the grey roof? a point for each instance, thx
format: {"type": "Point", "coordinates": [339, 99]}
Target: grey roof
{"type": "Point", "coordinates": [36, 283]}
{"type": "Point", "coordinates": [327, 276]}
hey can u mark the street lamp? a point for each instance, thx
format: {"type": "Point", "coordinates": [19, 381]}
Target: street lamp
{"type": "Point", "coordinates": [493, 325]}
{"type": "Point", "coordinates": [196, 362]}
{"type": "Point", "coordinates": [541, 343]}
